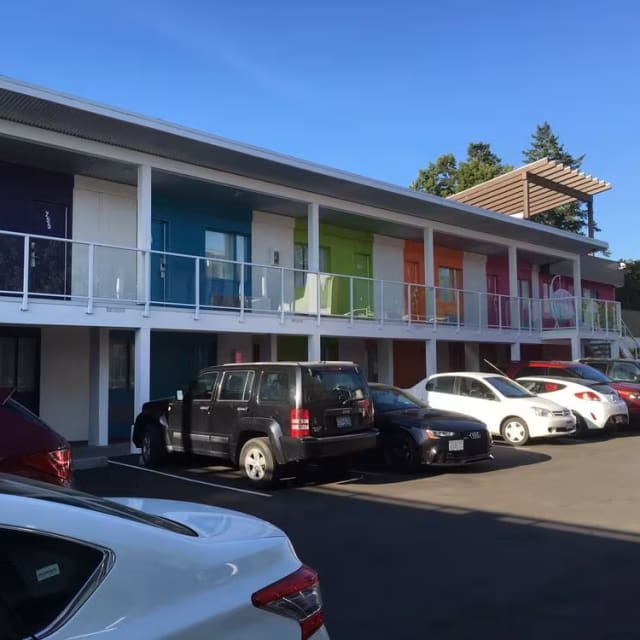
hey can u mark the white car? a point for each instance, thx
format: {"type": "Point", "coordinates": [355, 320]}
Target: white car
{"type": "Point", "coordinates": [596, 405]}
{"type": "Point", "coordinates": [507, 408]}
{"type": "Point", "coordinates": [76, 566]}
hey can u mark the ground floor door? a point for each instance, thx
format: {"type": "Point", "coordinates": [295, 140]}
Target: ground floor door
{"type": "Point", "coordinates": [121, 384]}
{"type": "Point", "coordinates": [20, 365]}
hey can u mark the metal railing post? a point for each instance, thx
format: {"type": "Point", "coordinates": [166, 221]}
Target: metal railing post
{"type": "Point", "coordinates": [242, 301]}
{"type": "Point", "coordinates": [26, 264]}
{"type": "Point", "coordinates": [196, 279]}
{"type": "Point", "coordinates": [281, 295]}
{"type": "Point", "coordinates": [351, 300]}
{"type": "Point", "coordinates": [410, 305]}
{"type": "Point", "coordinates": [530, 314]}
{"type": "Point", "coordinates": [457, 309]}
{"type": "Point", "coordinates": [317, 298]}
{"type": "Point", "coordinates": [90, 278]}
{"type": "Point", "coordinates": [147, 282]}
{"type": "Point", "coordinates": [381, 302]}
{"type": "Point", "coordinates": [499, 312]}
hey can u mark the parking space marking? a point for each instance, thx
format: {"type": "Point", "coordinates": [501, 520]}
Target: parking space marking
{"type": "Point", "coordinates": [192, 480]}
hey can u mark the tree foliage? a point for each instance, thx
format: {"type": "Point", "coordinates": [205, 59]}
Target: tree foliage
{"type": "Point", "coordinates": [629, 293]}
{"type": "Point", "coordinates": [545, 144]}
{"type": "Point", "coordinates": [446, 176]}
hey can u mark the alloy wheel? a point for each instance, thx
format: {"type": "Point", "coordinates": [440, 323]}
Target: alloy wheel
{"type": "Point", "coordinates": [255, 464]}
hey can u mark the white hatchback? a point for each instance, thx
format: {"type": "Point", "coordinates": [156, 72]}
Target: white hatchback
{"type": "Point", "coordinates": [508, 409]}
{"type": "Point", "coordinates": [596, 405]}
{"type": "Point", "coordinates": [77, 566]}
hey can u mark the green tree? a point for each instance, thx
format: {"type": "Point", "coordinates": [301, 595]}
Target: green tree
{"type": "Point", "coordinates": [545, 144]}
{"type": "Point", "coordinates": [445, 176]}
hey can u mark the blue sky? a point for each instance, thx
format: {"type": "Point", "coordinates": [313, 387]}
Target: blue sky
{"type": "Point", "coordinates": [375, 87]}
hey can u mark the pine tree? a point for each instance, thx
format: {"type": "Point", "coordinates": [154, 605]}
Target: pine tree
{"type": "Point", "coordinates": [545, 144]}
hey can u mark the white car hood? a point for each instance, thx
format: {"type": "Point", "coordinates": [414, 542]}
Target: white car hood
{"type": "Point", "coordinates": [208, 522]}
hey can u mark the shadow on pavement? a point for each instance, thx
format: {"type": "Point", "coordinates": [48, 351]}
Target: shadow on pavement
{"type": "Point", "coordinates": [407, 570]}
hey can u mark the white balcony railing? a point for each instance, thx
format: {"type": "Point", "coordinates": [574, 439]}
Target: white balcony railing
{"type": "Point", "coordinates": [36, 267]}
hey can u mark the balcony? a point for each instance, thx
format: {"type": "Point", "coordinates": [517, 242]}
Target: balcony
{"type": "Point", "coordinates": [89, 275]}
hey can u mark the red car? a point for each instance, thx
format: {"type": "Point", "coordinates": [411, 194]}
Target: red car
{"type": "Point", "coordinates": [29, 447]}
{"type": "Point", "coordinates": [628, 391]}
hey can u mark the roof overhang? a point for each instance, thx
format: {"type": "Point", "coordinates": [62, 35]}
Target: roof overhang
{"type": "Point", "coordinates": [43, 108]}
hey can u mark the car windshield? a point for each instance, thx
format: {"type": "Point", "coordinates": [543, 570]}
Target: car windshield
{"type": "Point", "coordinates": [40, 491]}
{"type": "Point", "coordinates": [508, 388]}
{"type": "Point", "coordinates": [391, 399]}
{"type": "Point", "coordinates": [587, 372]}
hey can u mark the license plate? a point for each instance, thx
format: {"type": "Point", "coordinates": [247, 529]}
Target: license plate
{"type": "Point", "coordinates": [343, 421]}
{"type": "Point", "coordinates": [456, 445]}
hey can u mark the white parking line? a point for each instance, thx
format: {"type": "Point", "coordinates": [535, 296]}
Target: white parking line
{"type": "Point", "coordinates": [192, 480]}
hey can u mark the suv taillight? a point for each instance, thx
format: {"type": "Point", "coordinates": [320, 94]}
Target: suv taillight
{"type": "Point", "coordinates": [299, 422]}
{"type": "Point", "coordinates": [366, 408]}
{"type": "Point", "coordinates": [50, 463]}
{"type": "Point", "coordinates": [297, 596]}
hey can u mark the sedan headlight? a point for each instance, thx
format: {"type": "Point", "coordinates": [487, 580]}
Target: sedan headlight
{"type": "Point", "coordinates": [434, 434]}
{"type": "Point", "coordinates": [541, 412]}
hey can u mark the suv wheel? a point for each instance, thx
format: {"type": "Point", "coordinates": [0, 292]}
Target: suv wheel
{"type": "Point", "coordinates": [515, 431]}
{"type": "Point", "coordinates": [153, 448]}
{"type": "Point", "coordinates": [257, 461]}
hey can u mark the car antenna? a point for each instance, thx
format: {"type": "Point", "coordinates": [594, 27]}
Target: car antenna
{"type": "Point", "coordinates": [493, 366]}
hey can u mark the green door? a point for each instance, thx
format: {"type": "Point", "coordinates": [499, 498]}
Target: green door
{"type": "Point", "coordinates": [362, 289]}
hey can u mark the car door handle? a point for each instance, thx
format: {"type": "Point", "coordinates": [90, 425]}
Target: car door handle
{"type": "Point", "coordinates": [242, 408]}
{"type": "Point", "coordinates": [204, 408]}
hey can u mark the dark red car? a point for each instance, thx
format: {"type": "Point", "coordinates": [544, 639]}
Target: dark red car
{"type": "Point", "coordinates": [29, 447]}
{"type": "Point", "coordinates": [628, 391]}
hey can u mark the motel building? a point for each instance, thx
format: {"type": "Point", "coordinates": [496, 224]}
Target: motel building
{"type": "Point", "coordinates": [134, 252]}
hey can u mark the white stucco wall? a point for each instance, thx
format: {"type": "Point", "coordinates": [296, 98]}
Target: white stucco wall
{"type": "Point", "coordinates": [388, 264]}
{"type": "Point", "coordinates": [64, 380]}
{"type": "Point", "coordinates": [269, 234]}
{"type": "Point", "coordinates": [474, 267]}
{"type": "Point", "coordinates": [104, 212]}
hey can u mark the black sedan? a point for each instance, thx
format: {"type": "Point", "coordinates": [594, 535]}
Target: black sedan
{"type": "Point", "coordinates": [412, 434]}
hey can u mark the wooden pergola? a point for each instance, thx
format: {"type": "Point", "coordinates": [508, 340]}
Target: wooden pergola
{"type": "Point", "coordinates": [535, 188]}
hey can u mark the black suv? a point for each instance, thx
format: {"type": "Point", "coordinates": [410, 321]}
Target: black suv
{"type": "Point", "coordinates": [618, 369]}
{"type": "Point", "coordinates": [262, 416]}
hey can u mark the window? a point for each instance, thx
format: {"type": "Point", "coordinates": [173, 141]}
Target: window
{"type": "Point", "coordinates": [391, 399]}
{"type": "Point", "coordinates": [43, 577]}
{"type": "Point", "coordinates": [274, 387]}
{"type": "Point", "coordinates": [508, 388]}
{"type": "Point", "coordinates": [443, 384]}
{"type": "Point", "coordinates": [301, 261]}
{"type": "Point", "coordinates": [448, 279]}
{"type": "Point", "coordinates": [580, 371]}
{"type": "Point", "coordinates": [204, 385]}
{"type": "Point", "coordinates": [221, 247]}
{"type": "Point", "coordinates": [625, 371]}
{"type": "Point", "coordinates": [236, 385]}
{"type": "Point", "coordinates": [473, 388]}
{"type": "Point", "coordinates": [320, 383]}
{"type": "Point", "coordinates": [524, 288]}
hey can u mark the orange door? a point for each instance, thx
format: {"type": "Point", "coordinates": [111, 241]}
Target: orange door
{"type": "Point", "coordinates": [448, 279]}
{"type": "Point", "coordinates": [414, 297]}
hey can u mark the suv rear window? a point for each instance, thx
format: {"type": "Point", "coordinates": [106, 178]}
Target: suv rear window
{"type": "Point", "coordinates": [324, 382]}
{"type": "Point", "coordinates": [42, 578]}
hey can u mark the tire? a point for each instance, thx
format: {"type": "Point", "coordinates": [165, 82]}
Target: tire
{"type": "Point", "coordinates": [401, 453]}
{"type": "Point", "coordinates": [515, 431]}
{"type": "Point", "coordinates": [154, 449]}
{"type": "Point", "coordinates": [582, 431]}
{"type": "Point", "coordinates": [257, 462]}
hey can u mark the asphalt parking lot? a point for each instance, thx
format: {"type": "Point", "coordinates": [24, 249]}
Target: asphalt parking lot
{"type": "Point", "coordinates": [541, 543]}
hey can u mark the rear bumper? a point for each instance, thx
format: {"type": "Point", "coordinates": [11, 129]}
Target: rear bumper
{"type": "Point", "coordinates": [295, 449]}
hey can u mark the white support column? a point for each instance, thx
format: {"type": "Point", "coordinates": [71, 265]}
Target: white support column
{"type": "Point", "coordinates": [576, 347]}
{"type": "Point", "coordinates": [514, 305]}
{"type": "Point", "coordinates": [429, 274]}
{"type": "Point", "coordinates": [313, 236]}
{"type": "Point", "coordinates": [431, 357]}
{"type": "Point", "coordinates": [385, 361]}
{"type": "Point", "coordinates": [142, 378]}
{"type": "Point", "coordinates": [313, 347]}
{"type": "Point", "coordinates": [577, 290]}
{"type": "Point", "coordinates": [273, 347]}
{"type": "Point", "coordinates": [99, 387]}
{"type": "Point", "coordinates": [144, 224]}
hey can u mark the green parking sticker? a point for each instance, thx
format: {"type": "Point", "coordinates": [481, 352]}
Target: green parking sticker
{"type": "Point", "coordinates": [50, 571]}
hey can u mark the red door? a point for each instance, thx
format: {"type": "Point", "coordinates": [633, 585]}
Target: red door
{"type": "Point", "coordinates": [414, 296]}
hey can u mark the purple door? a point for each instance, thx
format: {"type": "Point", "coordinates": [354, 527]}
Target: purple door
{"type": "Point", "coordinates": [49, 260]}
